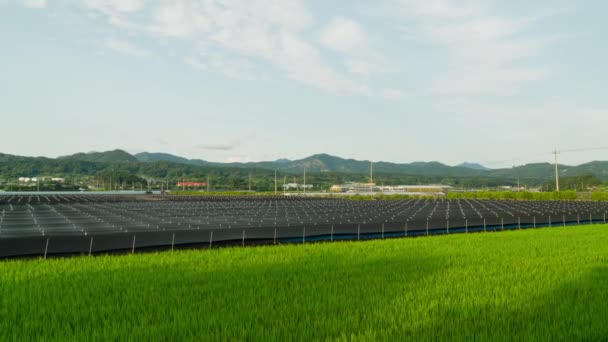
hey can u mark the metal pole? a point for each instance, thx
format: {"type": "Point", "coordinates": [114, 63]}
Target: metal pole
{"type": "Point", "coordinates": [447, 226]}
{"type": "Point", "coordinates": [555, 153]}
{"type": "Point", "coordinates": [358, 231]}
{"type": "Point", "coordinates": [519, 223]}
{"type": "Point", "coordinates": [46, 247]}
{"type": "Point", "coordinates": [332, 232]}
{"type": "Point", "coordinates": [173, 242]}
{"type": "Point", "coordinates": [275, 236]}
{"type": "Point", "coordinates": [427, 227]}
{"type": "Point", "coordinates": [405, 228]}
{"type": "Point", "coordinates": [466, 226]}
{"type": "Point", "coordinates": [91, 246]}
{"type": "Point", "coordinates": [243, 237]}
{"type": "Point", "coordinates": [210, 239]}
{"type": "Point", "coordinates": [304, 234]}
{"type": "Point", "coordinates": [383, 230]}
{"type": "Point", "coordinates": [133, 247]}
{"type": "Point", "coordinates": [484, 224]}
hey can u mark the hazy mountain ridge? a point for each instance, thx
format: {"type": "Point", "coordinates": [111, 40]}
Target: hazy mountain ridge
{"type": "Point", "coordinates": [325, 163]}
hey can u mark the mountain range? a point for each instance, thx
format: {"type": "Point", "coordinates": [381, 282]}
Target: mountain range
{"type": "Point", "coordinates": [325, 163]}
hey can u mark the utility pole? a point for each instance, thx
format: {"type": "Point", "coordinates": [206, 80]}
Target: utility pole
{"type": "Point", "coordinates": [371, 176]}
{"type": "Point", "coordinates": [275, 182]}
{"type": "Point", "coordinates": [555, 153]}
{"type": "Point", "coordinates": [305, 179]}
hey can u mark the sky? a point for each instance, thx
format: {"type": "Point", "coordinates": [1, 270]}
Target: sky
{"type": "Point", "coordinates": [501, 83]}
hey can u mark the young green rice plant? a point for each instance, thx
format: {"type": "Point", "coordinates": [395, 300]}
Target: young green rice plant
{"type": "Point", "coordinates": [545, 284]}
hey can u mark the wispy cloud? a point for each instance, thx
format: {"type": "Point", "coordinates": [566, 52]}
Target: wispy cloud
{"type": "Point", "coordinates": [482, 51]}
{"type": "Point", "coordinates": [265, 31]}
{"type": "Point", "coordinates": [221, 146]}
{"type": "Point", "coordinates": [125, 47]}
{"type": "Point", "coordinates": [35, 3]}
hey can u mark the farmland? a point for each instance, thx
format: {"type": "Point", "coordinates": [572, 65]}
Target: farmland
{"type": "Point", "coordinates": [530, 284]}
{"type": "Point", "coordinates": [89, 224]}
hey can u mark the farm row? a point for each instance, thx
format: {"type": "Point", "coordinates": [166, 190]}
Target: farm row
{"type": "Point", "coordinates": [89, 224]}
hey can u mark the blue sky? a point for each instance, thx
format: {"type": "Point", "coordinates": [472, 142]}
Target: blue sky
{"type": "Point", "coordinates": [496, 82]}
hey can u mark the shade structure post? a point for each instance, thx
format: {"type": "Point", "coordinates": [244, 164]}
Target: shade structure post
{"type": "Point", "coordinates": [358, 231]}
{"type": "Point", "coordinates": [447, 226]}
{"type": "Point", "coordinates": [427, 227]}
{"type": "Point", "coordinates": [484, 224]}
{"type": "Point", "coordinates": [564, 219]}
{"type": "Point", "coordinates": [405, 228]}
{"type": "Point", "coordinates": [519, 222]}
{"type": "Point", "coordinates": [534, 221]}
{"type": "Point", "coordinates": [332, 233]}
{"type": "Point", "coordinates": [211, 239]}
{"type": "Point", "coordinates": [133, 246]}
{"type": "Point", "coordinates": [550, 225]}
{"type": "Point", "coordinates": [46, 247]}
{"type": "Point", "coordinates": [172, 242]}
{"type": "Point", "coordinates": [604, 218]}
{"type": "Point", "coordinates": [466, 226]}
{"type": "Point", "coordinates": [590, 219]}
{"type": "Point", "coordinates": [275, 237]}
{"type": "Point", "coordinates": [383, 230]}
{"type": "Point", "coordinates": [303, 234]}
{"type": "Point", "coordinates": [91, 246]}
{"type": "Point", "coordinates": [578, 219]}
{"type": "Point", "coordinates": [502, 223]}
{"type": "Point", "coordinates": [243, 241]}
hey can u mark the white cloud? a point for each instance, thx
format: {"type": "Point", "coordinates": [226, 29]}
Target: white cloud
{"type": "Point", "coordinates": [243, 35]}
{"type": "Point", "coordinates": [125, 47]}
{"type": "Point", "coordinates": [121, 6]}
{"type": "Point", "coordinates": [35, 3]}
{"type": "Point", "coordinates": [343, 34]}
{"type": "Point", "coordinates": [481, 52]}
{"type": "Point", "coordinates": [391, 94]}
{"type": "Point", "coordinates": [227, 145]}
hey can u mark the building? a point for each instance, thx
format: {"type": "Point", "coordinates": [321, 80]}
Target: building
{"type": "Point", "coordinates": [296, 186]}
{"type": "Point", "coordinates": [353, 187]}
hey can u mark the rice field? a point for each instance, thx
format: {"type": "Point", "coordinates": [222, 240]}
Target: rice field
{"type": "Point", "coordinates": [535, 284]}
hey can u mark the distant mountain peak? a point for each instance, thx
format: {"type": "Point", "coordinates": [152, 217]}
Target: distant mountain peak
{"type": "Point", "coordinates": [474, 166]}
